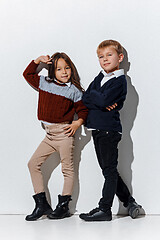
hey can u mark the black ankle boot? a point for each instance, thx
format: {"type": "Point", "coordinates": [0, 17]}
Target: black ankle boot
{"type": "Point", "coordinates": [42, 207]}
{"type": "Point", "coordinates": [62, 209]}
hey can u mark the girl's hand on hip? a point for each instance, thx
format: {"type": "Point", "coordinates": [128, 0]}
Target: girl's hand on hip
{"type": "Point", "coordinates": [72, 128]}
{"type": "Point", "coordinates": [44, 59]}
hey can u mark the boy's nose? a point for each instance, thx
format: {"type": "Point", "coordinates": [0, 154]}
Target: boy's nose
{"type": "Point", "coordinates": [105, 59]}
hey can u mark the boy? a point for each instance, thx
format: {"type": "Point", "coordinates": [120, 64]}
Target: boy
{"type": "Point", "coordinates": [104, 98]}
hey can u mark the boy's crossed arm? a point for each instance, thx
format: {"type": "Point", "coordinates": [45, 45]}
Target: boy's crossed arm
{"type": "Point", "coordinates": [110, 98]}
{"type": "Point", "coordinates": [109, 108]}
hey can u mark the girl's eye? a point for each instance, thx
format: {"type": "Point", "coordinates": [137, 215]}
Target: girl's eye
{"type": "Point", "coordinates": [58, 69]}
{"type": "Point", "coordinates": [109, 54]}
{"type": "Point", "coordinates": [100, 56]}
{"type": "Point", "coordinates": [68, 67]}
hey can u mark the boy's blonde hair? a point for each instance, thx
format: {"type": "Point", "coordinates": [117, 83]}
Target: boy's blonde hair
{"type": "Point", "coordinates": [113, 43]}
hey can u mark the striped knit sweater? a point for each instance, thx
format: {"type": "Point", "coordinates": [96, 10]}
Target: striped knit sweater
{"type": "Point", "coordinates": [57, 102]}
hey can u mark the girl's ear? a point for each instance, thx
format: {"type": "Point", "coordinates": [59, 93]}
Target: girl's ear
{"type": "Point", "coordinates": [121, 56]}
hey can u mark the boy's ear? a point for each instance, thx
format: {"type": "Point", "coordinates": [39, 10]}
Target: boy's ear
{"type": "Point", "coordinates": [121, 56]}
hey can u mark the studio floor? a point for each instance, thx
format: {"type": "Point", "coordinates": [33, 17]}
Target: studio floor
{"type": "Point", "coordinates": [14, 227]}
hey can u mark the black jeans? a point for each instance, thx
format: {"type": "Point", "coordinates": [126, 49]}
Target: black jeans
{"type": "Point", "coordinates": [106, 146]}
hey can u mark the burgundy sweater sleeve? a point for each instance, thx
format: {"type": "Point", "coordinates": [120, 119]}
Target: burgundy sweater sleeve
{"type": "Point", "coordinates": [81, 110]}
{"type": "Point", "coordinates": [31, 76]}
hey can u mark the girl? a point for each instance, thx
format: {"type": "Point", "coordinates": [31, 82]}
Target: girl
{"type": "Point", "coordinates": [60, 97]}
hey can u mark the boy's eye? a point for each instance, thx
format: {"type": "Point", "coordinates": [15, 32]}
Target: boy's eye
{"type": "Point", "coordinates": [109, 54]}
{"type": "Point", "coordinates": [100, 56]}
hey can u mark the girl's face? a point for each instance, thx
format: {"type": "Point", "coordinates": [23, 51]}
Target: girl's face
{"type": "Point", "coordinates": [62, 71]}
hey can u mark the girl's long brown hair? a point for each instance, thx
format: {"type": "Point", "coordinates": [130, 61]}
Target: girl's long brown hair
{"type": "Point", "coordinates": [75, 79]}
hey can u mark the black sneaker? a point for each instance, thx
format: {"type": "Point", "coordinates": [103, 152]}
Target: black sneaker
{"type": "Point", "coordinates": [134, 209]}
{"type": "Point", "coordinates": [96, 215]}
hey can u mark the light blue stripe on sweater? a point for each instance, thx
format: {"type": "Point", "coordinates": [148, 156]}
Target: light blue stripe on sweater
{"type": "Point", "coordinates": [71, 92]}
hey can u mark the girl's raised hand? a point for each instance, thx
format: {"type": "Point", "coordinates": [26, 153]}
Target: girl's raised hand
{"type": "Point", "coordinates": [44, 59]}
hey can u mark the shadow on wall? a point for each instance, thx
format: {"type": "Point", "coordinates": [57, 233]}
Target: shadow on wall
{"type": "Point", "coordinates": [54, 160]}
{"type": "Point", "coordinates": [128, 115]}
{"type": "Point", "coordinates": [80, 142]}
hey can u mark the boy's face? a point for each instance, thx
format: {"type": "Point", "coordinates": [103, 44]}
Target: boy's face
{"type": "Point", "coordinates": [109, 59]}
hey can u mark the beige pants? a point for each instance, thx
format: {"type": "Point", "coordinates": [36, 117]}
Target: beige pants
{"type": "Point", "coordinates": [55, 140]}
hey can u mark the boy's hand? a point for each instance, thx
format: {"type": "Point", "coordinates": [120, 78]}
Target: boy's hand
{"type": "Point", "coordinates": [72, 128]}
{"type": "Point", "coordinates": [109, 108]}
{"type": "Point", "coordinates": [44, 59]}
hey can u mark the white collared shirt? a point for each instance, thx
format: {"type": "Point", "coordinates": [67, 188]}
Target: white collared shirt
{"type": "Point", "coordinates": [108, 76]}
{"type": "Point", "coordinates": [67, 83]}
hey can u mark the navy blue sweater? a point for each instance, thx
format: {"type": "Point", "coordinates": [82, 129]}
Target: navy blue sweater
{"type": "Point", "coordinates": [97, 98]}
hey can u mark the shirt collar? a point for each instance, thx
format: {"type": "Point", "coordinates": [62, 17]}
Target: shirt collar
{"type": "Point", "coordinates": [116, 73]}
{"type": "Point", "coordinates": [67, 83]}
